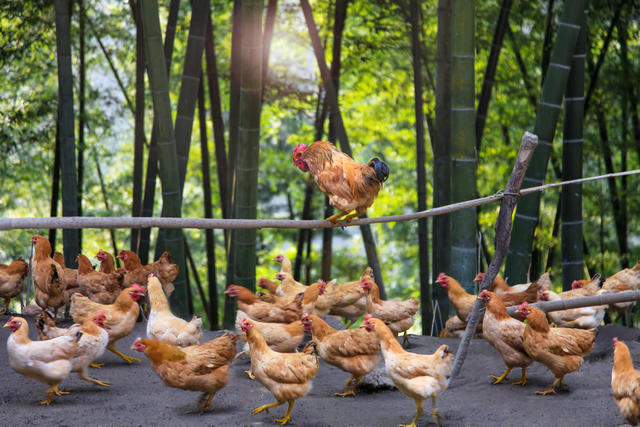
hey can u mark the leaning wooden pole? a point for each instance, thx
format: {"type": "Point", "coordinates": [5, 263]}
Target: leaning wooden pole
{"type": "Point", "coordinates": [501, 242]}
{"type": "Point", "coordinates": [592, 301]}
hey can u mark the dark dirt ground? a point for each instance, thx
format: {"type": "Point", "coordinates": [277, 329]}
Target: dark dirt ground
{"type": "Point", "coordinates": [138, 397]}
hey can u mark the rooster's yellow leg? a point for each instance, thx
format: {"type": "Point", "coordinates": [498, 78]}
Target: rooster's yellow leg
{"type": "Point", "coordinates": [335, 217]}
{"type": "Point", "coordinates": [523, 381]}
{"type": "Point", "coordinates": [95, 381]}
{"type": "Point", "coordinates": [128, 359]}
{"type": "Point", "coordinates": [96, 365]}
{"type": "Point", "coordinates": [287, 416]}
{"type": "Point", "coordinates": [501, 377]}
{"type": "Point", "coordinates": [265, 407]}
{"type": "Point", "coordinates": [58, 392]}
{"type": "Point", "coordinates": [205, 402]}
{"type": "Point", "coordinates": [248, 372]}
{"type": "Point", "coordinates": [552, 389]}
{"type": "Point", "coordinates": [51, 395]}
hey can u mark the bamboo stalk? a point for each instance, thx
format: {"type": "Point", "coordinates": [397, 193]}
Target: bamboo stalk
{"type": "Point", "coordinates": [55, 187]}
{"type": "Point", "coordinates": [82, 80]}
{"type": "Point", "coordinates": [139, 139]}
{"type": "Point", "coordinates": [501, 241]}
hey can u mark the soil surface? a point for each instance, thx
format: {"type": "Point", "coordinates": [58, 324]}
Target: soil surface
{"type": "Point", "coordinates": [138, 397]}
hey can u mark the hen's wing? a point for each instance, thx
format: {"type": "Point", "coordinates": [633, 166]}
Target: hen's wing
{"type": "Point", "coordinates": [351, 342]}
{"type": "Point", "coordinates": [570, 342]}
{"type": "Point", "coordinates": [292, 368]}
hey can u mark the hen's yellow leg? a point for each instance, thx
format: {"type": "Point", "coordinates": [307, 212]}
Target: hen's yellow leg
{"type": "Point", "coordinates": [523, 381]}
{"type": "Point", "coordinates": [128, 359]}
{"type": "Point", "coordinates": [350, 387]}
{"type": "Point", "coordinates": [58, 392]}
{"type": "Point", "coordinates": [335, 217]}
{"type": "Point", "coordinates": [287, 416]}
{"type": "Point", "coordinates": [265, 407]}
{"type": "Point", "coordinates": [419, 404]}
{"type": "Point", "coordinates": [95, 381]}
{"type": "Point", "coordinates": [248, 372]}
{"type": "Point", "coordinates": [552, 389]}
{"type": "Point", "coordinates": [205, 402]}
{"type": "Point", "coordinates": [501, 377]}
{"type": "Point", "coordinates": [50, 395]}
{"type": "Point", "coordinates": [96, 365]}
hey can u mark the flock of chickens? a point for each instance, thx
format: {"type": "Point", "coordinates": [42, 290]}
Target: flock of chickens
{"type": "Point", "coordinates": [104, 305]}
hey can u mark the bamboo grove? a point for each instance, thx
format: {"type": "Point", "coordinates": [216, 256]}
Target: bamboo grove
{"type": "Point", "coordinates": [174, 108]}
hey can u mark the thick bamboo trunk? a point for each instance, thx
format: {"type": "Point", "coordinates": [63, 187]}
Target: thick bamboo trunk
{"type": "Point", "coordinates": [464, 232]}
{"type": "Point", "coordinates": [167, 155]}
{"type": "Point", "coordinates": [426, 309]}
{"type": "Point", "coordinates": [82, 82]}
{"type": "Point", "coordinates": [243, 242]}
{"type": "Point", "coordinates": [527, 212]}
{"type": "Point", "coordinates": [70, 238]}
{"type": "Point", "coordinates": [442, 157]}
{"type": "Point", "coordinates": [55, 186]}
{"type": "Point", "coordinates": [138, 147]}
{"type": "Point", "coordinates": [571, 195]}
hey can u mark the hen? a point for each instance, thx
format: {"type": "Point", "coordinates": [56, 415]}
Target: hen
{"type": "Point", "coordinates": [285, 263]}
{"type": "Point", "coordinates": [461, 300]}
{"type": "Point", "coordinates": [163, 325]}
{"type": "Point", "coordinates": [203, 367]}
{"type": "Point", "coordinates": [355, 351]}
{"type": "Point", "coordinates": [263, 311]}
{"type": "Point", "coordinates": [419, 376]}
{"type": "Point", "coordinates": [505, 334]}
{"type": "Point", "coordinates": [48, 277]}
{"type": "Point", "coordinates": [583, 317]}
{"type": "Point", "coordinates": [286, 375]}
{"type": "Point", "coordinates": [349, 299]}
{"type": "Point", "coordinates": [624, 280]}
{"type": "Point", "coordinates": [288, 285]}
{"type": "Point", "coordinates": [348, 184]}
{"type": "Point", "coordinates": [121, 315]}
{"type": "Point", "coordinates": [559, 349]}
{"type": "Point", "coordinates": [45, 361]}
{"type": "Point", "coordinates": [12, 281]}
{"type": "Point", "coordinates": [70, 277]}
{"type": "Point", "coordinates": [107, 263]}
{"type": "Point", "coordinates": [100, 287]}
{"type": "Point", "coordinates": [267, 284]}
{"type": "Point", "coordinates": [91, 345]}
{"type": "Point", "coordinates": [500, 286]}
{"type": "Point", "coordinates": [396, 314]}
{"type": "Point", "coordinates": [625, 383]}
{"type": "Point", "coordinates": [135, 272]}
{"type": "Point", "coordinates": [281, 337]}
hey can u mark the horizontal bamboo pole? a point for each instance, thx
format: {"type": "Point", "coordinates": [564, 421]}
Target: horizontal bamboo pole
{"type": "Point", "coordinates": [71, 222]}
{"type": "Point", "coordinates": [595, 300]}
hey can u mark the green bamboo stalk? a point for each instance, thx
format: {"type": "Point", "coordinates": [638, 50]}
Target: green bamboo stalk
{"type": "Point", "coordinates": [167, 156]}
{"type": "Point", "coordinates": [190, 83]}
{"type": "Point", "coordinates": [55, 186]}
{"type": "Point", "coordinates": [464, 232]}
{"type": "Point", "coordinates": [82, 80]}
{"type": "Point", "coordinates": [421, 181]}
{"type": "Point", "coordinates": [70, 238]}
{"type": "Point", "coordinates": [527, 212]}
{"type": "Point", "coordinates": [138, 150]}
{"type": "Point", "coordinates": [442, 157]}
{"type": "Point", "coordinates": [243, 242]}
{"type": "Point", "coordinates": [571, 195]}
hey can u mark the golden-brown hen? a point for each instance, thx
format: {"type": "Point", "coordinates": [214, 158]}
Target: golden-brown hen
{"type": "Point", "coordinates": [285, 263]}
{"type": "Point", "coordinates": [288, 285]}
{"type": "Point", "coordinates": [500, 286]}
{"type": "Point", "coordinates": [70, 277]}
{"type": "Point", "coordinates": [12, 281]}
{"type": "Point", "coordinates": [583, 317]}
{"type": "Point", "coordinates": [249, 303]}
{"type": "Point", "coordinates": [348, 184]}
{"type": "Point", "coordinates": [286, 375]}
{"type": "Point", "coordinates": [121, 315]}
{"type": "Point", "coordinates": [419, 376]}
{"type": "Point", "coordinates": [505, 334]}
{"type": "Point", "coordinates": [48, 277]}
{"type": "Point", "coordinates": [624, 280]}
{"type": "Point", "coordinates": [100, 287]}
{"type": "Point", "coordinates": [164, 325]}
{"type": "Point", "coordinates": [45, 361]}
{"type": "Point", "coordinates": [349, 299]}
{"type": "Point", "coordinates": [355, 351]}
{"type": "Point", "coordinates": [203, 367]}
{"type": "Point", "coordinates": [135, 272]}
{"type": "Point", "coordinates": [625, 383]}
{"type": "Point", "coordinates": [559, 349]}
{"type": "Point", "coordinates": [461, 300]}
{"type": "Point", "coordinates": [107, 263]}
{"type": "Point", "coordinates": [396, 314]}
{"type": "Point", "coordinates": [281, 337]}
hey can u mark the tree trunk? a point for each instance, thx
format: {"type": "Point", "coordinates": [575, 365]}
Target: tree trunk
{"type": "Point", "coordinates": [629, 84]}
{"type": "Point", "coordinates": [571, 195]}
{"type": "Point", "coordinates": [243, 242]}
{"type": "Point", "coordinates": [332, 99]}
{"type": "Point", "coordinates": [152, 160]}
{"type": "Point", "coordinates": [167, 155]}
{"type": "Point", "coordinates": [464, 232]}
{"type": "Point", "coordinates": [442, 157]}
{"type": "Point", "coordinates": [55, 186]}
{"type": "Point", "coordinates": [426, 309]}
{"type": "Point", "coordinates": [527, 212]}
{"type": "Point", "coordinates": [82, 78]}
{"type": "Point", "coordinates": [70, 237]}
{"type": "Point", "coordinates": [212, 308]}
{"type": "Point", "coordinates": [269, 23]}
{"type": "Point", "coordinates": [138, 148]}
{"type": "Point", "coordinates": [490, 72]}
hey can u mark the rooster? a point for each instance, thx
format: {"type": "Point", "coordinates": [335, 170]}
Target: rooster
{"type": "Point", "coordinates": [348, 184]}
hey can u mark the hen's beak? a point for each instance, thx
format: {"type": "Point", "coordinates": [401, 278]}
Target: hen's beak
{"type": "Point", "coordinates": [6, 325]}
{"type": "Point", "coordinates": [517, 311]}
